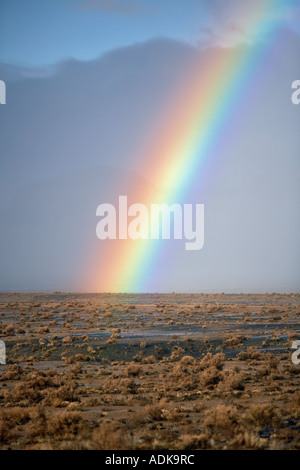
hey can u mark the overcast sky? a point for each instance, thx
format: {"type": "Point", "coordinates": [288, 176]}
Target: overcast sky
{"type": "Point", "coordinates": [38, 33]}
{"type": "Point", "coordinates": [86, 82]}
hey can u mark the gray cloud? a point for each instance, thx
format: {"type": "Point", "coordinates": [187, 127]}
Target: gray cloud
{"type": "Point", "coordinates": [86, 113]}
{"type": "Point", "coordinates": [72, 140]}
{"type": "Point", "coordinates": [231, 24]}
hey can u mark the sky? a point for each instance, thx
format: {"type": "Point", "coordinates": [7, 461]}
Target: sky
{"type": "Point", "coordinates": [92, 86]}
{"type": "Point", "coordinates": [35, 33]}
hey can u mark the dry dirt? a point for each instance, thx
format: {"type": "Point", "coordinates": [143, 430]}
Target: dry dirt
{"type": "Point", "coordinates": [104, 371]}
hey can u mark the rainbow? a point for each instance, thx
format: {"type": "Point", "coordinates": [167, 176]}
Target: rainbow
{"type": "Point", "coordinates": [187, 142]}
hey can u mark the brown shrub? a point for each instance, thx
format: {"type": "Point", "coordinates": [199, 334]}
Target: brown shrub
{"type": "Point", "coordinates": [247, 440]}
{"type": "Point", "coordinates": [67, 340]}
{"type": "Point", "coordinates": [66, 424]}
{"type": "Point", "coordinates": [210, 377]}
{"type": "Point", "coordinates": [176, 353]}
{"type": "Point", "coordinates": [9, 330]}
{"type": "Point", "coordinates": [194, 441]}
{"type": "Point", "coordinates": [272, 361]}
{"type": "Point", "coordinates": [210, 360]}
{"type": "Point", "coordinates": [109, 436]}
{"type": "Point", "coordinates": [10, 419]}
{"type": "Point", "coordinates": [14, 372]}
{"type": "Point", "coordinates": [296, 400]}
{"type": "Point", "coordinates": [149, 360]}
{"type": "Point", "coordinates": [132, 370]}
{"type": "Point", "coordinates": [294, 405]}
{"type": "Point", "coordinates": [117, 385]}
{"type": "Point", "coordinates": [43, 329]}
{"type": "Point", "coordinates": [5, 431]}
{"type": "Point", "coordinates": [157, 410]}
{"type": "Point", "coordinates": [76, 369]}
{"type": "Point", "coordinates": [183, 377]}
{"type": "Point", "coordinates": [39, 386]}
{"type": "Point", "coordinates": [188, 374]}
{"type": "Point", "coordinates": [233, 341]}
{"type": "Point", "coordinates": [260, 416]}
{"type": "Point", "coordinates": [232, 380]}
{"type": "Point", "coordinates": [269, 367]}
{"type": "Point", "coordinates": [38, 422]}
{"type": "Point", "coordinates": [128, 386]}
{"type": "Point", "coordinates": [222, 418]}
{"type": "Point", "coordinates": [188, 361]}
{"type": "Point", "coordinates": [80, 357]}
{"type": "Point", "coordinates": [24, 394]}
{"type": "Point", "coordinates": [66, 393]}
{"type": "Point", "coordinates": [251, 354]}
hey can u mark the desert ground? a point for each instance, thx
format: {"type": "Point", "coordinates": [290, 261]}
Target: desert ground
{"type": "Point", "coordinates": [149, 371]}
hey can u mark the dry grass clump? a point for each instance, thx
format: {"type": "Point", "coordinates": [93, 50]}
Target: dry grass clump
{"type": "Point", "coordinates": [296, 401]}
{"type": "Point", "coordinates": [110, 436]}
{"type": "Point", "coordinates": [37, 426]}
{"type": "Point", "coordinates": [108, 314]}
{"type": "Point", "coordinates": [10, 420]}
{"type": "Point", "coordinates": [269, 367]}
{"type": "Point", "coordinates": [184, 376]}
{"type": "Point", "coordinates": [14, 372]}
{"type": "Point", "coordinates": [232, 380]}
{"type": "Point", "coordinates": [9, 330]}
{"type": "Point", "coordinates": [64, 394]}
{"type": "Point", "coordinates": [157, 411]}
{"type": "Point", "coordinates": [43, 329]}
{"type": "Point", "coordinates": [251, 354]}
{"type": "Point", "coordinates": [30, 391]}
{"type": "Point", "coordinates": [114, 384]}
{"type": "Point", "coordinates": [67, 340]}
{"type": "Point", "coordinates": [132, 370]}
{"type": "Point", "coordinates": [80, 357]}
{"type": "Point", "coordinates": [188, 361]}
{"type": "Point", "coordinates": [213, 360]}
{"type": "Point", "coordinates": [66, 424]}
{"type": "Point", "coordinates": [200, 441]}
{"type": "Point", "coordinates": [188, 374]}
{"type": "Point", "coordinates": [27, 426]}
{"type": "Point", "coordinates": [176, 353]}
{"type": "Point", "coordinates": [76, 369]}
{"type": "Point", "coordinates": [221, 419]}
{"type": "Point", "coordinates": [291, 370]}
{"type": "Point", "coordinates": [149, 359]}
{"type": "Point", "coordinates": [210, 377]}
{"type": "Point", "coordinates": [261, 416]}
{"type": "Point", "coordinates": [248, 440]}
{"type": "Point", "coordinates": [128, 386]}
{"type": "Point", "coordinates": [211, 367]}
{"type": "Point", "coordinates": [233, 341]}
{"type": "Point", "coordinates": [294, 405]}
{"type": "Point", "coordinates": [38, 387]}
